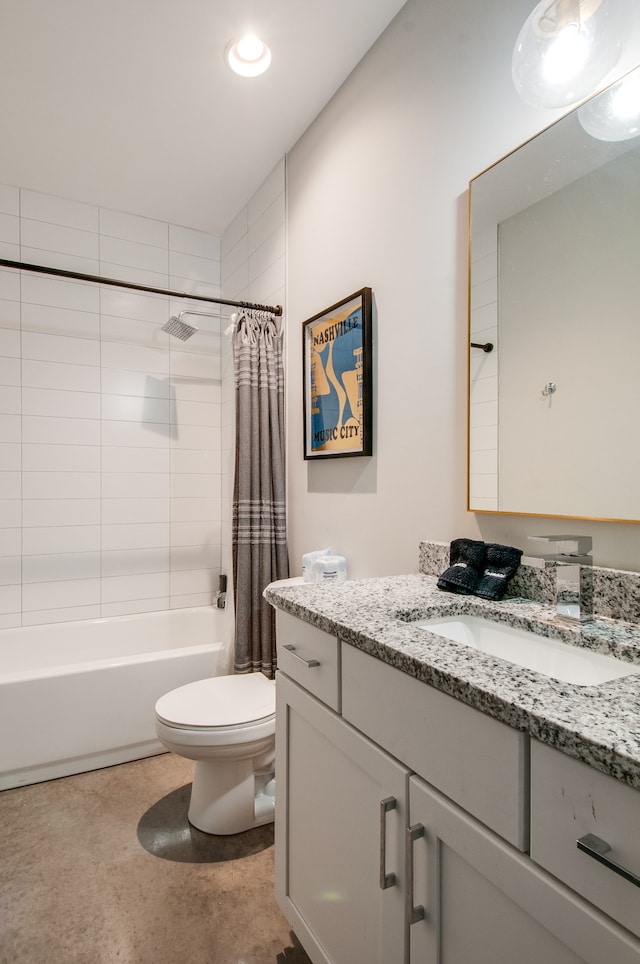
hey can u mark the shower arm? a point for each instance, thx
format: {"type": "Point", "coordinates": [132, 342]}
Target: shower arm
{"type": "Point", "coordinates": [97, 279]}
{"type": "Point", "coordinates": [192, 311]}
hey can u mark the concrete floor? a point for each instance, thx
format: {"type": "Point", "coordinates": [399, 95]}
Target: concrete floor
{"type": "Point", "coordinates": [104, 868]}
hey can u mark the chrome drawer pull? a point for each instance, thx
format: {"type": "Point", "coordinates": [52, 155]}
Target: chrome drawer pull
{"type": "Point", "coordinates": [307, 662]}
{"type": "Point", "coordinates": [413, 914]}
{"type": "Point", "coordinates": [597, 848]}
{"type": "Point", "coordinates": [386, 880]}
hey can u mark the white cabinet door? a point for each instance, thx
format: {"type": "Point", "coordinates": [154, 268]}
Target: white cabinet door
{"type": "Point", "coordinates": [476, 900]}
{"type": "Point", "coordinates": [340, 818]}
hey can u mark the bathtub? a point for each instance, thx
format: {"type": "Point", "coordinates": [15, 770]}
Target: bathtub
{"type": "Point", "coordinates": [79, 696]}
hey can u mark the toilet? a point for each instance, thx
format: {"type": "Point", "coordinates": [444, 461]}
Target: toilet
{"type": "Point", "coordinates": [226, 724]}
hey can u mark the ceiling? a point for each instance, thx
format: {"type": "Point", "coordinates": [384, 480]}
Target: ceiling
{"type": "Point", "coordinates": [129, 105]}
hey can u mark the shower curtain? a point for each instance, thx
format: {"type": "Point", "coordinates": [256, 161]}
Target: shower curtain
{"type": "Point", "coordinates": [259, 520]}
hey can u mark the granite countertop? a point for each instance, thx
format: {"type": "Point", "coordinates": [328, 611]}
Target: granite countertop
{"type": "Point", "coordinates": [599, 725]}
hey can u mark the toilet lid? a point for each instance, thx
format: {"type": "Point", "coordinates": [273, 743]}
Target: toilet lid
{"type": "Point", "coordinates": [219, 701]}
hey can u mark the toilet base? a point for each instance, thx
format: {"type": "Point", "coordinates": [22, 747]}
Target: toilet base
{"type": "Point", "coordinates": [229, 798]}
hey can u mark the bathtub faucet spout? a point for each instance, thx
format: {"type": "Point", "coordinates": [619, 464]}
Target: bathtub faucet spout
{"type": "Point", "coordinates": [221, 595]}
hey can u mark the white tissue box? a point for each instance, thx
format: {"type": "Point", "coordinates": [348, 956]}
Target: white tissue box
{"type": "Point", "coordinates": [308, 562]}
{"type": "Point", "coordinates": [330, 569]}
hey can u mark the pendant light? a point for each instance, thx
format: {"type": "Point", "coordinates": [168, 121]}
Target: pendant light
{"type": "Point", "coordinates": [614, 115]}
{"type": "Point", "coordinates": [566, 47]}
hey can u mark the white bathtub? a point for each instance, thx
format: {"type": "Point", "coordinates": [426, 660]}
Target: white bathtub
{"type": "Point", "coordinates": [78, 696]}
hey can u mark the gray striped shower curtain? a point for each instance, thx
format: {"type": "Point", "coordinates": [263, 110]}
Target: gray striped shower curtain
{"type": "Point", "coordinates": [259, 511]}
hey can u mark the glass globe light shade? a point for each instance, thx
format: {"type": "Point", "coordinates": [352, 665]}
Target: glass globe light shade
{"type": "Point", "coordinates": [566, 47]}
{"type": "Point", "coordinates": [248, 56]}
{"type": "Point", "coordinates": [614, 115]}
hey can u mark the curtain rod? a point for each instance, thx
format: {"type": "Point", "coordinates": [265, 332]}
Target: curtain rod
{"type": "Point", "coordinates": [80, 276]}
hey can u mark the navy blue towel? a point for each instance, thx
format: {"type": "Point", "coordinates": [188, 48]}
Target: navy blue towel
{"type": "Point", "coordinates": [466, 561]}
{"type": "Point", "coordinates": [500, 566]}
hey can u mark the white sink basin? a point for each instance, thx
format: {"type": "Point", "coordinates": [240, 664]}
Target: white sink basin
{"type": "Point", "coordinates": [556, 659]}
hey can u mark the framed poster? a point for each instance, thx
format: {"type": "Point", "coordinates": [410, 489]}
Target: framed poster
{"type": "Point", "coordinates": [336, 372]}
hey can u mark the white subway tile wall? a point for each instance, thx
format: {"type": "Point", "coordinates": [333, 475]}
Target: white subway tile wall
{"type": "Point", "coordinates": [110, 430]}
{"type": "Point", "coordinates": [253, 268]}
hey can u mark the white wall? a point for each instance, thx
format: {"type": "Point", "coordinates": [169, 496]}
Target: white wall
{"type": "Point", "coordinates": [377, 196]}
{"type": "Point", "coordinates": [109, 429]}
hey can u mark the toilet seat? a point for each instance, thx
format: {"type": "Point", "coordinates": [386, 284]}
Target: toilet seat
{"type": "Point", "coordinates": [220, 706]}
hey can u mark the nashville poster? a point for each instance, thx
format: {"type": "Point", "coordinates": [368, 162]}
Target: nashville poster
{"type": "Point", "coordinates": [337, 367]}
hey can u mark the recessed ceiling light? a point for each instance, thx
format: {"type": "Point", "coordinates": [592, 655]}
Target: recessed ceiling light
{"type": "Point", "coordinates": [248, 56]}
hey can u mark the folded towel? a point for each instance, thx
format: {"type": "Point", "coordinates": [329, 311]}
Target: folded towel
{"type": "Point", "coordinates": [500, 566]}
{"type": "Point", "coordinates": [466, 560]}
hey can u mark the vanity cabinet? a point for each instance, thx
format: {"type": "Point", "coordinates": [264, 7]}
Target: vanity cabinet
{"type": "Point", "coordinates": [402, 823]}
{"type": "Point", "coordinates": [340, 819]}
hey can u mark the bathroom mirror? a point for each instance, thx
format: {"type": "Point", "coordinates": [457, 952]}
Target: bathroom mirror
{"type": "Point", "coordinates": [554, 286]}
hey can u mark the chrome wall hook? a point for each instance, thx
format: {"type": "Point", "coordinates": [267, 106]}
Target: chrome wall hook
{"type": "Point", "coordinates": [549, 389]}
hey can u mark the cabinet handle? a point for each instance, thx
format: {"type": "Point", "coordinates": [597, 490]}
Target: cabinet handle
{"type": "Point", "coordinates": [597, 848]}
{"type": "Point", "coordinates": [386, 880]}
{"type": "Point", "coordinates": [307, 662]}
{"type": "Point", "coordinates": [413, 913]}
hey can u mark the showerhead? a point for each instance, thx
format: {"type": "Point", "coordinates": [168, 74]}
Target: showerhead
{"type": "Point", "coordinates": [179, 329]}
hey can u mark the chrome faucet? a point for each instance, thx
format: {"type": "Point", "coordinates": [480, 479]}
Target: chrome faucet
{"type": "Point", "coordinates": [574, 587]}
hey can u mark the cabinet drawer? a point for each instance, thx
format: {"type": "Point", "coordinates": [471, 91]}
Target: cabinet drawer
{"type": "Point", "coordinates": [569, 800]}
{"type": "Point", "coordinates": [313, 660]}
{"type": "Point", "coordinates": [479, 763]}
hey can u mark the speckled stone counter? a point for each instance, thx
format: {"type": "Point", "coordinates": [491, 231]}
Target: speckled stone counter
{"type": "Point", "coordinates": [599, 725]}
